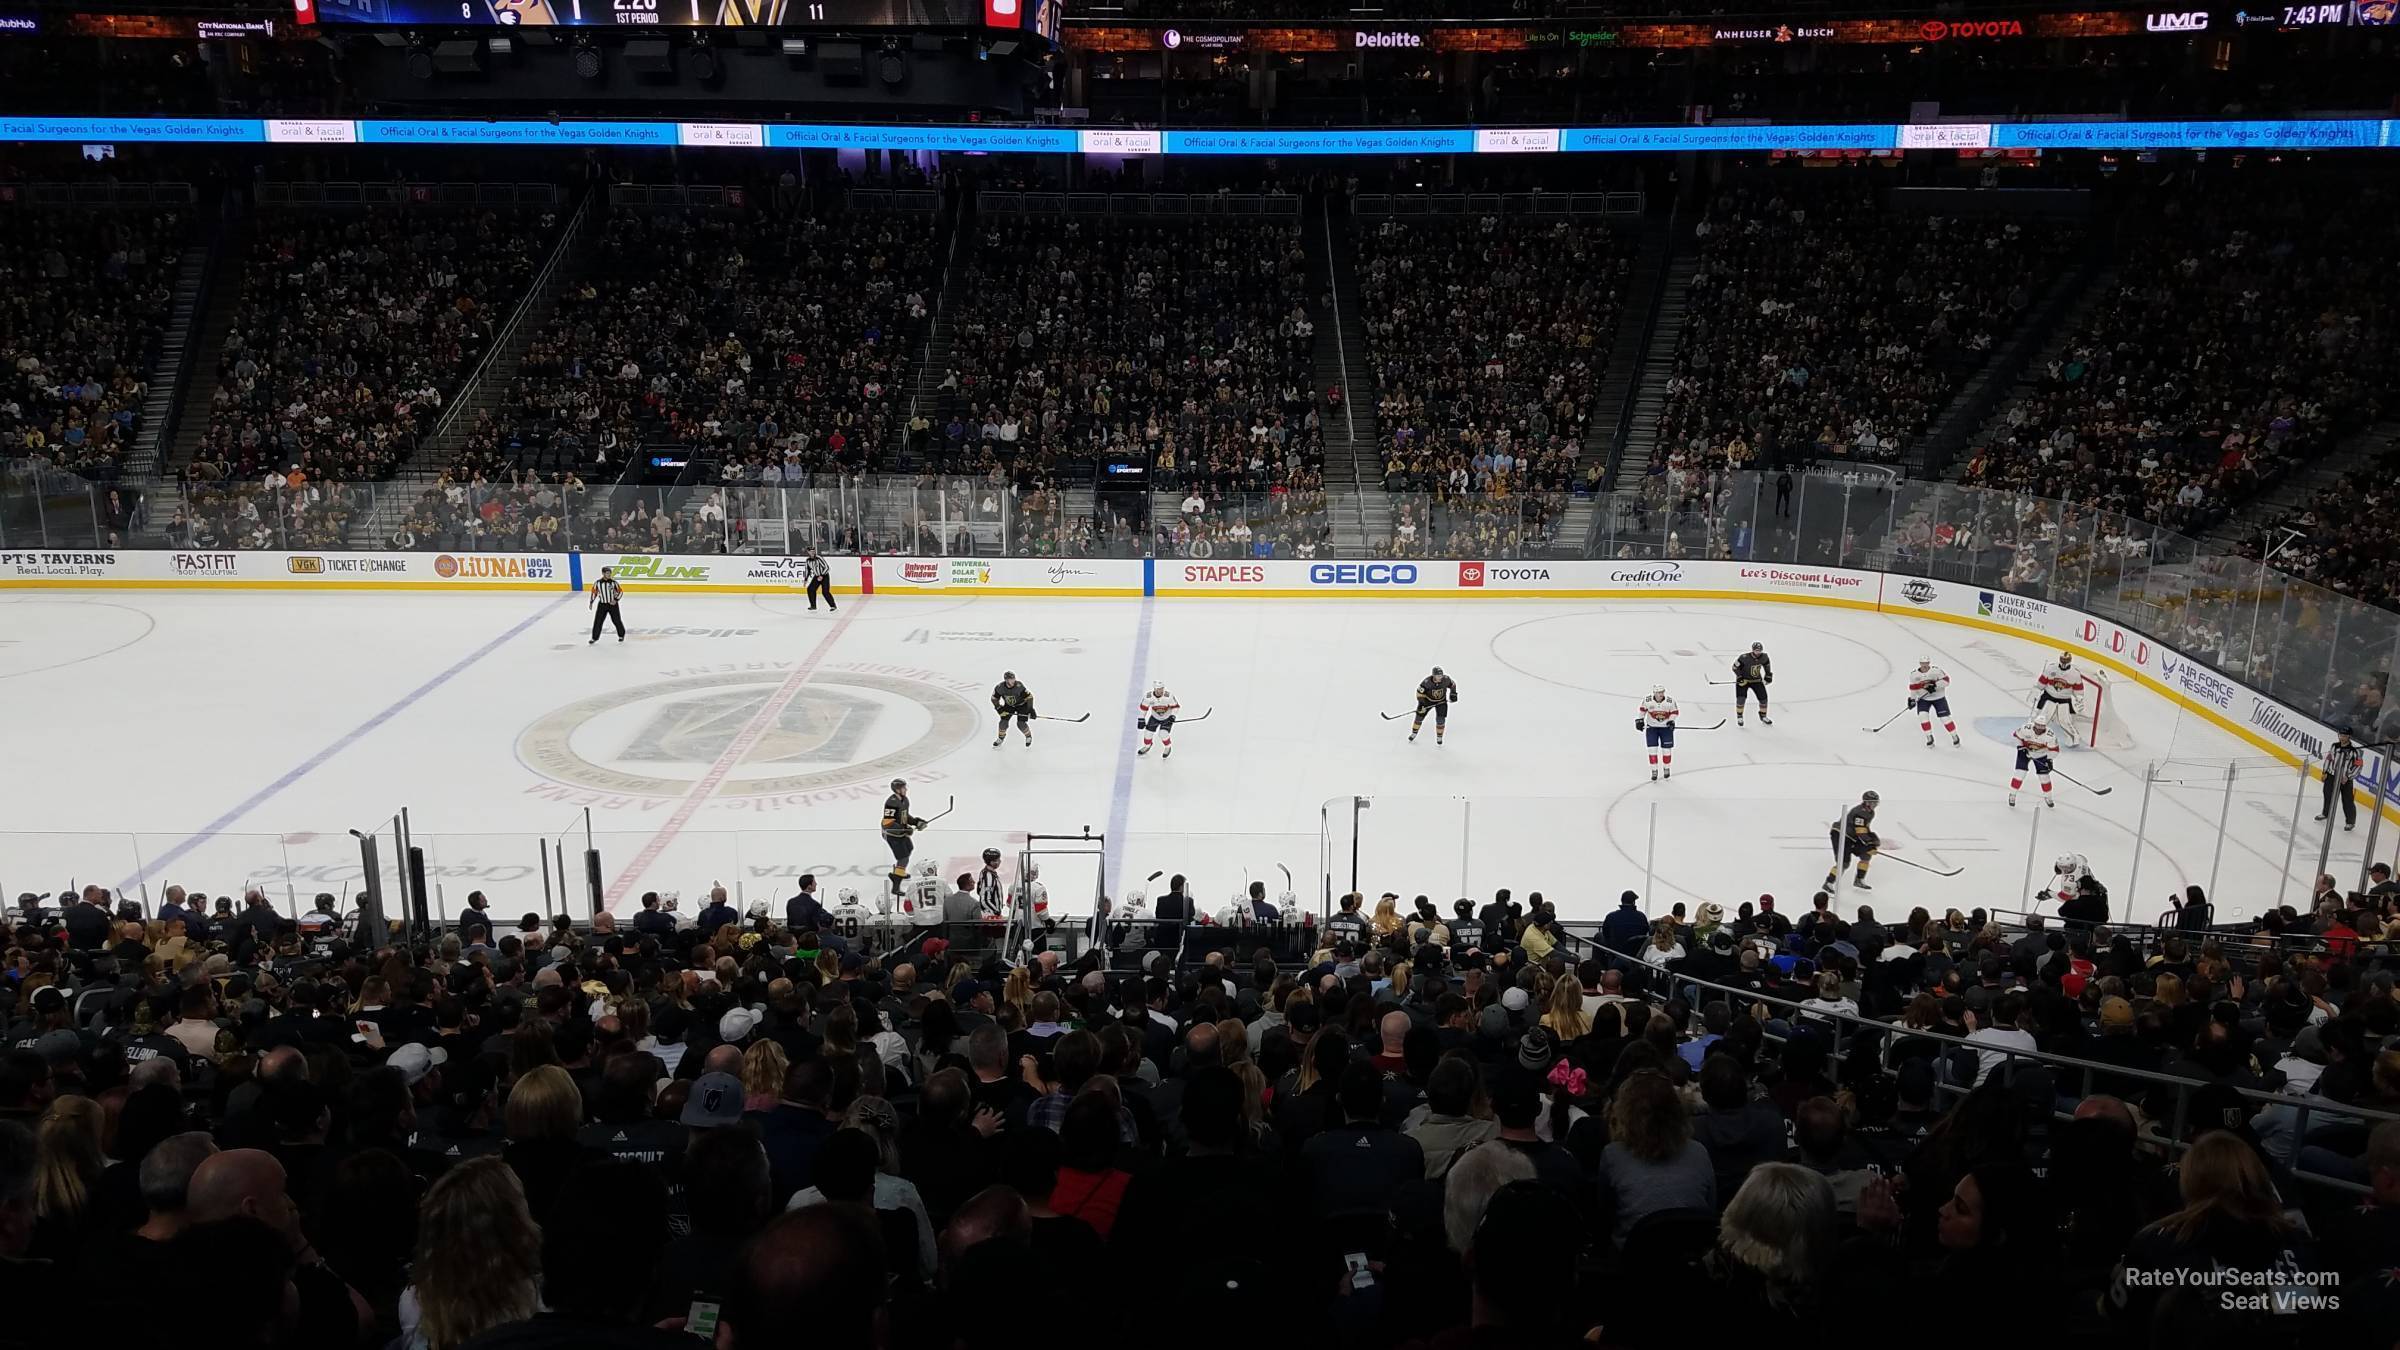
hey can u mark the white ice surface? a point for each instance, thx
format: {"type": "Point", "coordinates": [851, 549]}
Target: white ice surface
{"type": "Point", "coordinates": [218, 739]}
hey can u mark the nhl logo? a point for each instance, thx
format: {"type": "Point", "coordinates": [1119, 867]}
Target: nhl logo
{"type": "Point", "coordinates": [1918, 592]}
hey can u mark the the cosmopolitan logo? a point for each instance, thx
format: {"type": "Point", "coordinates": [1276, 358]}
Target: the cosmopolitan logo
{"type": "Point", "coordinates": [2190, 21]}
{"type": "Point", "coordinates": [1408, 40]}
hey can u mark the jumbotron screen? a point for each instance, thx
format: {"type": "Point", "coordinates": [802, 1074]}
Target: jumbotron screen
{"type": "Point", "coordinates": [683, 13]}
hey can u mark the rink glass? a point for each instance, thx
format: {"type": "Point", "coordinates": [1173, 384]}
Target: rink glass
{"type": "Point", "coordinates": [2321, 652]}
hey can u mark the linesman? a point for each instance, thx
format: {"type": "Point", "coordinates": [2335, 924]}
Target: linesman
{"type": "Point", "coordinates": [606, 594]}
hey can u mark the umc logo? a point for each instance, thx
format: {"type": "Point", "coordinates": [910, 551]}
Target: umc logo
{"type": "Point", "coordinates": [2191, 21]}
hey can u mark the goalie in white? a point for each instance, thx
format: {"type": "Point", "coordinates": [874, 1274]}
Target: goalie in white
{"type": "Point", "coordinates": [1656, 722]}
{"type": "Point", "coordinates": [2061, 686]}
{"type": "Point", "coordinates": [1156, 713]}
{"type": "Point", "coordinates": [2035, 747]}
{"type": "Point", "coordinates": [1929, 697]}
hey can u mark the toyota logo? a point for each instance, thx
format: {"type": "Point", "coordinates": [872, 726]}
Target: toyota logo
{"type": "Point", "coordinates": [1934, 30]}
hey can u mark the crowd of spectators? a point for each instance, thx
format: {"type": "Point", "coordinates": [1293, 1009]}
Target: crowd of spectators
{"type": "Point", "coordinates": [1183, 344]}
{"type": "Point", "coordinates": [776, 341]}
{"type": "Point", "coordinates": [354, 328]}
{"type": "Point", "coordinates": [1486, 338]}
{"type": "Point", "coordinates": [2239, 339]}
{"type": "Point", "coordinates": [1826, 324]}
{"type": "Point", "coordinates": [84, 298]}
{"type": "Point", "coordinates": [1433, 1131]}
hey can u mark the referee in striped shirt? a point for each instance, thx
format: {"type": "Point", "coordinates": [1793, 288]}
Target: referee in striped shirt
{"type": "Point", "coordinates": [2341, 770]}
{"type": "Point", "coordinates": [605, 593]}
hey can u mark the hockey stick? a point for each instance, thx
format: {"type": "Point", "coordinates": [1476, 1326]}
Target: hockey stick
{"type": "Point", "coordinates": [1889, 720]}
{"type": "Point", "coordinates": [2097, 792]}
{"type": "Point", "coordinates": [1287, 876]}
{"type": "Point", "coordinates": [1154, 876]}
{"type": "Point", "coordinates": [1044, 717]}
{"type": "Point", "coordinates": [1187, 721]}
{"type": "Point", "coordinates": [1724, 681]}
{"type": "Point", "coordinates": [944, 811]}
{"type": "Point", "coordinates": [1905, 862]}
{"type": "Point", "coordinates": [1710, 727]}
{"type": "Point", "coordinates": [1394, 717]}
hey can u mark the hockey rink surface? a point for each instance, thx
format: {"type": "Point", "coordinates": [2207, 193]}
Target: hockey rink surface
{"type": "Point", "coordinates": [218, 740]}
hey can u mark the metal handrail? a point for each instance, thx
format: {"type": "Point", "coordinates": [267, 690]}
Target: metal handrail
{"type": "Point", "coordinates": [467, 390]}
{"type": "Point", "coordinates": [2305, 1104]}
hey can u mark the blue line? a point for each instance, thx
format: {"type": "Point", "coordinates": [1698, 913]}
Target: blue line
{"type": "Point", "coordinates": [317, 760]}
{"type": "Point", "coordinates": [575, 571]}
{"type": "Point", "coordinates": [1120, 801]}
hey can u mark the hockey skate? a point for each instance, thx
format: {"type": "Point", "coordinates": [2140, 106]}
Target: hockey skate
{"type": "Point", "coordinates": [1668, 772]}
{"type": "Point", "coordinates": [2050, 801]}
{"type": "Point", "coordinates": [1412, 738]}
{"type": "Point", "coordinates": [1654, 775]}
{"type": "Point", "coordinates": [2012, 799]}
{"type": "Point", "coordinates": [1929, 738]}
{"type": "Point", "coordinates": [1029, 740]}
{"type": "Point", "coordinates": [1168, 753]}
{"type": "Point", "coordinates": [1859, 882]}
{"type": "Point", "coordinates": [1143, 751]}
{"type": "Point", "coordinates": [1765, 721]}
{"type": "Point", "coordinates": [999, 738]}
{"type": "Point", "coordinates": [1954, 738]}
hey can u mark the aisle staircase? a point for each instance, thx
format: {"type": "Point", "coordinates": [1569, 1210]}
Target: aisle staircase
{"type": "Point", "coordinates": [204, 348]}
{"type": "Point", "coordinates": [169, 373]}
{"type": "Point", "coordinates": [1632, 459]}
{"type": "Point", "coordinates": [1353, 435]}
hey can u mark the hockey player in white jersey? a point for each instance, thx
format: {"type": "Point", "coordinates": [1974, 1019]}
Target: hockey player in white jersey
{"type": "Point", "coordinates": [2067, 876]}
{"type": "Point", "coordinates": [851, 919]}
{"type": "Point", "coordinates": [922, 901]}
{"type": "Point", "coordinates": [1156, 714]}
{"type": "Point", "coordinates": [2061, 686]}
{"type": "Point", "coordinates": [2035, 747]}
{"type": "Point", "coordinates": [1656, 722]}
{"type": "Point", "coordinates": [1929, 697]}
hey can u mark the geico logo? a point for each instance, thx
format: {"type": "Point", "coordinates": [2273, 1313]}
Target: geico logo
{"type": "Point", "coordinates": [1363, 574]}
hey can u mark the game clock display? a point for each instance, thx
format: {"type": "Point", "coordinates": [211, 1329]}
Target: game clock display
{"type": "Point", "coordinates": [680, 13]}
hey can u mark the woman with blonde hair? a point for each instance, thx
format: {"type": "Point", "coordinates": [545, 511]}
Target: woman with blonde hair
{"type": "Point", "coordinates": [1566, 1017]}
{"type": "Point", "coordinates": [2232, 1221]}
{"type": "Point", "coordinates": [763, 1068]}
{"type": "Point", "coordinates": [1386, 919]}
{"type": "Point", "coordinates": [543, 1112]}
{"type": "Point", "coordinates": [1774, 1241]}
{"type": "Point", "coordinates": [1017, 990]}
{"type": "Point", "coordinates": [72, 1153]}
{"type": "Point", "coordinates": [1664, 947]}
{"type": "Point", "coordinates": [478, 1261]}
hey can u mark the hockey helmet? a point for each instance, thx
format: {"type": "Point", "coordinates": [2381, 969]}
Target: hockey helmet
{"type": "Point", "coordinates": [1758, 646]}
{"type": "Point", "coordinates": [2041, 721]}
{"type": "Point", "coordinates": [847, 895]}
{"type": "Point", "coordinates": [899, 783]}
{"type": "Point", "coordinates": [1437, 670]}
{"type": "Point", "coordinates": [2065, 659]}
{"type": "Point", "coordinates": [1870, 795]}
{"type": "Point", "coordinates": [930, 870]}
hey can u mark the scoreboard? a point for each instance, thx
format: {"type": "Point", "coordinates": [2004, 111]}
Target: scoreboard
{"type": "Point", "coordinates": [691, 13]}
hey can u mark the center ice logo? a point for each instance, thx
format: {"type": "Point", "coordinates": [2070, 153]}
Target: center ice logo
{"type": "Point", "coordinates": [658, 740]}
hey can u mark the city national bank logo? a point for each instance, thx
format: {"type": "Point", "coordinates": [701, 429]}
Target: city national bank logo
{"type": "Point", "coordinates": [657, 741]}
{"type": "Point", "coordinates": [490, 567]}
{"type": "Point", "coordinates": [206, 564]}
{"type": "Point", "coordinates": [1918, 591]}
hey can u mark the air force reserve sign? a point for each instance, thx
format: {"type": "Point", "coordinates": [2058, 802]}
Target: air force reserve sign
{"type": "Point", "coordinates": [657, 740]}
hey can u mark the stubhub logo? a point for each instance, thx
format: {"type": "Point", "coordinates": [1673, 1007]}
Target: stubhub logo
{"type": "Point", "coordinates": [1363, 574]}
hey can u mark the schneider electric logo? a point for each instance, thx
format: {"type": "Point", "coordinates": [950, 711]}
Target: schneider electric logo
{"type": "Point", "coordinates": [1363, 574]}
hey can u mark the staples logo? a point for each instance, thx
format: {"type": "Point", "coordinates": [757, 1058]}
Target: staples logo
{"type": "Point", "coordinates": [1222, 574]}
{"type": "Point", "coordinates": [2191, 21]}
{"type": "Point", "coordinates": [1470, 574]}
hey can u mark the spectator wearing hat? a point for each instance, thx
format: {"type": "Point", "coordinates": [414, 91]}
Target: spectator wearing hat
{"type": "Point", "coordinates": [1626, 926]}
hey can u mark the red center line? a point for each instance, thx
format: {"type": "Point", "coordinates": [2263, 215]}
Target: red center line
{"type": "Point", "coordinates": [743, 742]}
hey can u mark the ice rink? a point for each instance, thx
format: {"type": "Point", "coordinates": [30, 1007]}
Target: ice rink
{"type": "Point", "coordinates": [220, 739]}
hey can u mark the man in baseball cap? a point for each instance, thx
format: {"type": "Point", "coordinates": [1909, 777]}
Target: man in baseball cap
{"type": "Point", "coordinates": [715, 1102]}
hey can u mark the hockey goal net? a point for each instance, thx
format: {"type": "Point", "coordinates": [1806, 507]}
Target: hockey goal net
{"type": "Point", "coordinates": [2101, 724]}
